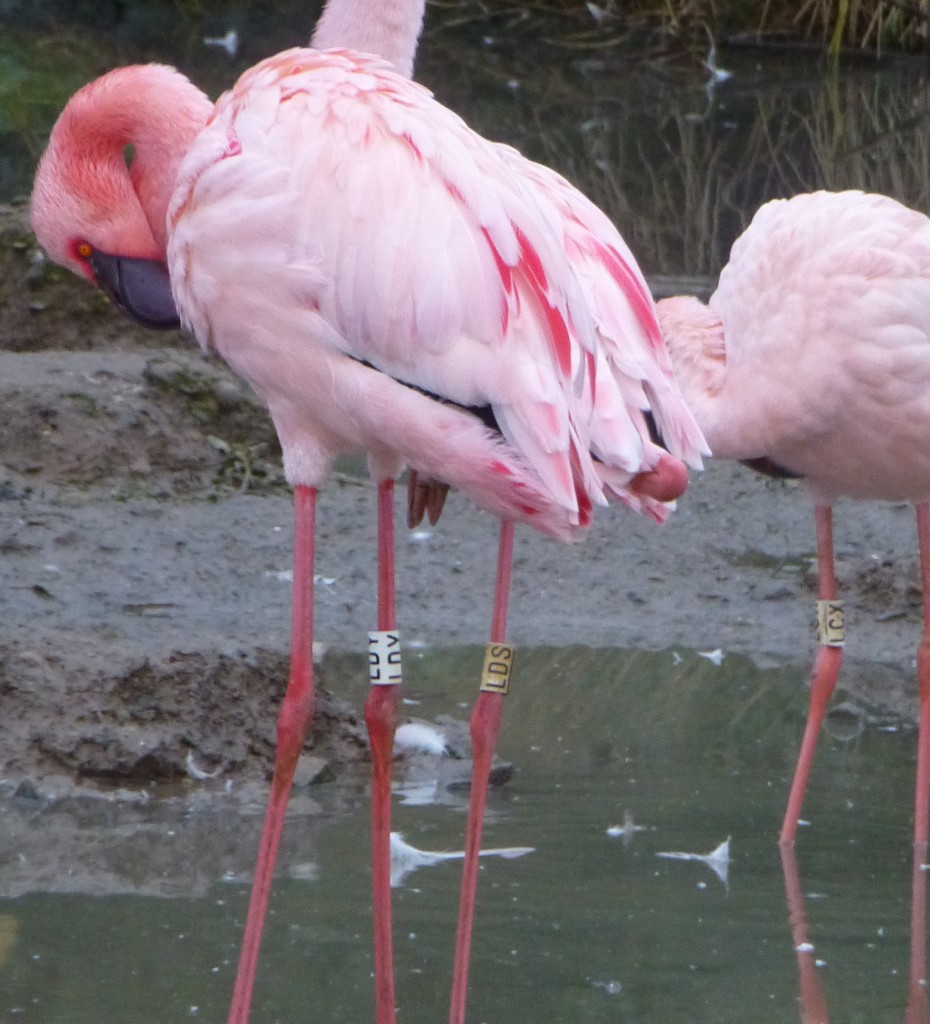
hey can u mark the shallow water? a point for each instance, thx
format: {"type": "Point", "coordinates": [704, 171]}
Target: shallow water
{"type": "Point", "coordinates": [589, 927]}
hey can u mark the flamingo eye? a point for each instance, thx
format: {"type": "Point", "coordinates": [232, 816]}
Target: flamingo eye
{"type": "Point", "coordinates": [85, 250]}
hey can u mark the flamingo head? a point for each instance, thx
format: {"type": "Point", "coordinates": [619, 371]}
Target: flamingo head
{"type": "Point", "coordinates": [102, 186]}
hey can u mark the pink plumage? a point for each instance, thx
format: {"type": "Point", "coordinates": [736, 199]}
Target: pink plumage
{"type": "Point", "coordinates": [405, 242]}
{"type": "Point", "coordinates": [387, 281]}
{"type": "Point", "coordinates": [812, 357]}
{"type": "Point", "coordinates": [822, 341]}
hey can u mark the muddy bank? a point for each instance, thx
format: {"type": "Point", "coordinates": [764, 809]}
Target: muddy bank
{"type": "Point", "coordinates": [145, 546]}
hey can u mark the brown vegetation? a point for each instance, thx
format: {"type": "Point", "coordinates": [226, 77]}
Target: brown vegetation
{"type": "Point", "coordinates": [832, 25]}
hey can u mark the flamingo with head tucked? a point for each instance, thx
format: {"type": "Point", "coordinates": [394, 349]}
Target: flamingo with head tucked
{"type": "Point", "coordinates": [624, 321]}
{"type": "Point", "coordinates": [812, 359]}
{"type": "Point", "coordinates": [387, 281]}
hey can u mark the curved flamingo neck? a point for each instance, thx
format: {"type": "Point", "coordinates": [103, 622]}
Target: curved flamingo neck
{"type": "Point", "coordinates": [389, 29]}
{"type": "Point", "coordinates": [161, 139]}
{"type": "Point", "coordinates": [149, 114]}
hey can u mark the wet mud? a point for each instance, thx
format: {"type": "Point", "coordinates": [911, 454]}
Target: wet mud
{"type": "Point", "coordinates": [145, 556]}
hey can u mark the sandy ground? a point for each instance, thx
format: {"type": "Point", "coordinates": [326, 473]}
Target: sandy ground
{"type": "Point", "coordinates": [145, 548]}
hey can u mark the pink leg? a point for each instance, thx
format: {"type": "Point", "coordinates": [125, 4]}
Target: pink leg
{"type": "Point", "coordinates": [485, 726]}
{"type": "Point", "coordinates": [826, 670]}
{"type": "Point", "coordinates": [381, 718]}
{"type": "Point", "coordinates": [813, 1003]}
{"type": "Point", "coordinates": [922, 785]}
{"type": "Point", "coordinates": [293, 726]}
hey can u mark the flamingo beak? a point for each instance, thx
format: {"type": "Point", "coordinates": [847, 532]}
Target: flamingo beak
{"type": "Point", "coordinates": [141, 287]}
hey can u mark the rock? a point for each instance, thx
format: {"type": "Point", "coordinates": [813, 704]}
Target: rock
{"type": "Point", "coordinates": [312, 771]}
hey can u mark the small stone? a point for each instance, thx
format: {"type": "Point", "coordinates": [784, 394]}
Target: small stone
{"type": "Point", "coordinates": [28, 797]}
{"type": "Point", "coordinates": [311, 771]}
{"type": "Point", "coordinates": [227, 395]}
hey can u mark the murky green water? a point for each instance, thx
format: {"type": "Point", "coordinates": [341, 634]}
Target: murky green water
{"type": "Point", "coordinates": [589, 927]}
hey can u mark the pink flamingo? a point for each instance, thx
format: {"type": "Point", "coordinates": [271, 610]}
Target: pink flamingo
{"type": "Point", "coordinates": [812, 359]}
{"type": "Point", "coordinates": [386, 281]}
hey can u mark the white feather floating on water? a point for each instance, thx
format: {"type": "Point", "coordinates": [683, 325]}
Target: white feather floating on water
{"type": "Point", "coordinates": [718, 860]}
{"type": "Point", "coordinates": [406, 858]}
{"type": "Point", "coordinates": [627, 830]}
{"type": "Point", "coordinates": [417, 794]}
{"type": "Point", "coordinates": [229, 42]}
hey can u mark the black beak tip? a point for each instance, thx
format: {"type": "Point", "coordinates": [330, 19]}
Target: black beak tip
{"type": "Point", "coordinates": [142, 287]}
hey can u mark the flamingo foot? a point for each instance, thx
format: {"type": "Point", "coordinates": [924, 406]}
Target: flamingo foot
{"type": "Point", "coordinates": [417, 494]}
{"type": "Point", "coordinates": [666, 481]}
{"type": "Point", "coordinates": [436, 500]}
{"type": "Point", "coordinates": [425, 498]}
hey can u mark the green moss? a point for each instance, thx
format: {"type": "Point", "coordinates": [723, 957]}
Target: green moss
{"type": "Point", "coordinates": [242, 465]}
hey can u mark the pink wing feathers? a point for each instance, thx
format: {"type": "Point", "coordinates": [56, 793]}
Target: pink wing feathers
{"type": "Point", "coordinates": [624, 314]}
{"type": "Point", "coordinates": [633, 369]}
{"type": "Point", "coordinates": [378, 227]}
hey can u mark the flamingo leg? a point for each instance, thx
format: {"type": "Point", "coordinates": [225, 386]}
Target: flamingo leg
{"type": "Point", "coordinates": [813, 1002]}
{"type": "Point", "coordinates": [826, 670]}
{"type": "Point", "coordinates": [485, 726]}
{"type": "Point", "coordinates": [381, 719]}
{"type": "Point", "coordinates": [293, 725]}
{"type": "Point", "coordinates": [922, 783]}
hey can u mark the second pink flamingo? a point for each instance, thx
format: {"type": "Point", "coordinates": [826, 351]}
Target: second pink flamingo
{"type": "Point", "coordinates": [812, 359]}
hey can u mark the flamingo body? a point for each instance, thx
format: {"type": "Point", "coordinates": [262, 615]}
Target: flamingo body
{"type": "Point", "coordinates": [814, 351]}
{"type": "Point", "coordinates": [813, 355]}
{"type": "Point", "coordinates": [401, 274]}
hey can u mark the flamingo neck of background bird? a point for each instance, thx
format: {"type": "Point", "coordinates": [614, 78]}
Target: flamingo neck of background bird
{"type": "Point", "coordinates": [390, 29]}
{"type": "Point", "coordinates": [694, 337]}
